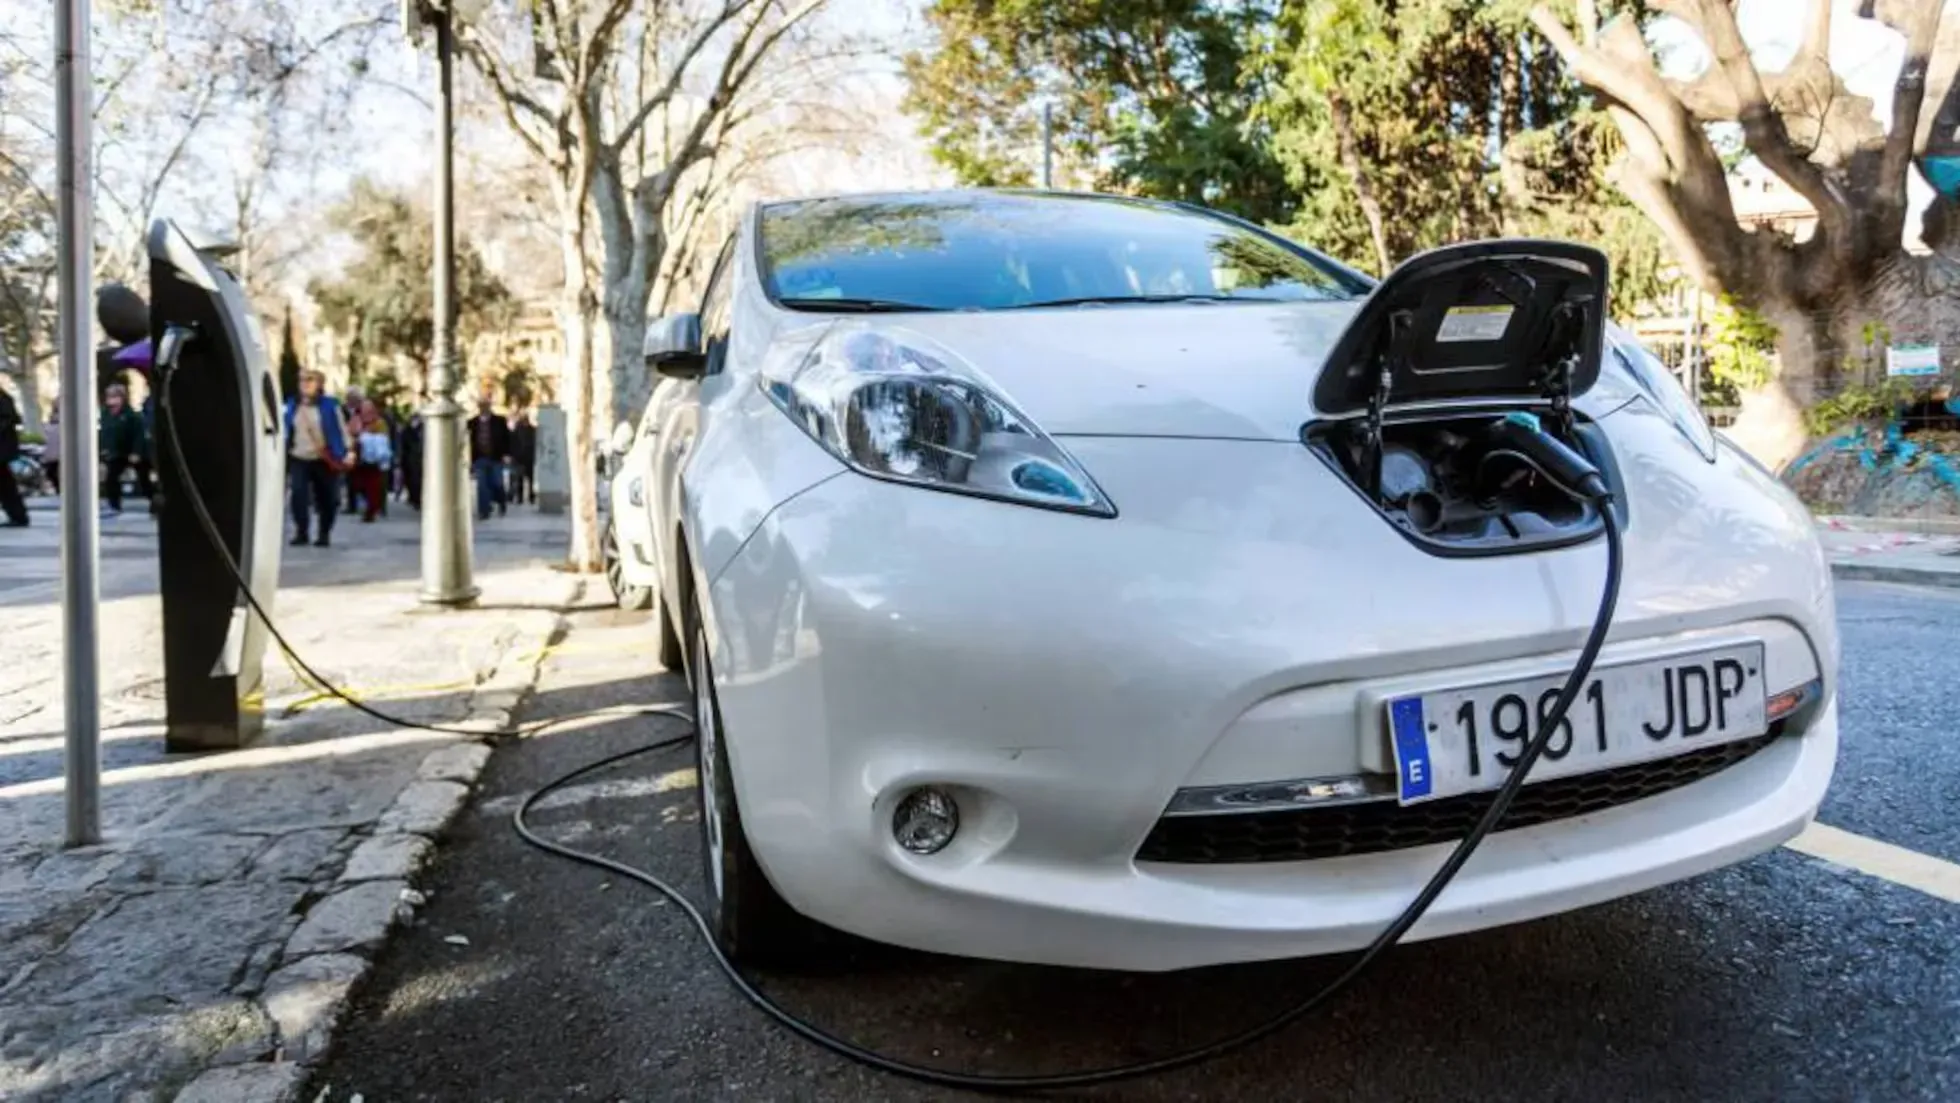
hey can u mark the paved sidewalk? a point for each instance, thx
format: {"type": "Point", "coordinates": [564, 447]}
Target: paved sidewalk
{"type": "Point", "coordinates": [204, 950]}
{"type": "Point", "coordinates": [1891, 550]}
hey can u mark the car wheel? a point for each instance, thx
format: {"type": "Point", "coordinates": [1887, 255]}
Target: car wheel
{"type": "Point", "coordinates": [627, 597]}
{"type": "Point", "coordinates": [751, 922]}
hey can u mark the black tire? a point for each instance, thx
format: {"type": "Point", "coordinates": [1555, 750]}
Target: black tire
{"type": "Point", "coordinates": [626, 597]}
{"type": "Point", "coordinates": [751, 922]}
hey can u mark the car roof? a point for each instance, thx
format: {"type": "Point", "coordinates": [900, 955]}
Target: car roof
{"type": "Point", "coordinates": [932, 194]}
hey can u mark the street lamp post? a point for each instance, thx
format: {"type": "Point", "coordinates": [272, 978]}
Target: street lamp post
{"type": "Point", "coordinates": [446, 565]}
{"type": "Point", "coordinates": [80, 582]}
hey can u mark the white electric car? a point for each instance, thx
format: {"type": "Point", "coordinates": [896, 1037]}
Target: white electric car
{"type": "Point", "coordinates": [1100, 582]}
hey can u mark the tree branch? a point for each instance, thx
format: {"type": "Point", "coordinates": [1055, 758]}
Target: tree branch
{"type": "Point", "coordinates": [729, 10]}
{"type": "Point", "coordinates": [1896, 14]}
{"type": "Point", "coordinates": [600, 45]}
{"type": "Point", "coordinates": [737, 68]}
{"type": "Point", "coordinates": [1669, 169]}
{"type": "Point", "coordinates": [1621, 69]}
{"type": "Point", "coordinates": [1908, 96]}
{"type": "Point", "coordinates": [515, 103]}
{"type": "Point", "coordinates": [1817, 32]}
{"type": "Point", "coordinates": [1762, 128]}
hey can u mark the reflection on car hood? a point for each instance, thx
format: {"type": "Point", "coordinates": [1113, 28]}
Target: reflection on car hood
{"type": "Point", "coordinates": [1229, 371]}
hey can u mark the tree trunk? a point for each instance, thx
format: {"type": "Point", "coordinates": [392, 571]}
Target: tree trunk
{"type": "Point", "coordinates": [1823, 349]}
{"type": "Point", "coordinates": [578, 318]}
{"type": "Point", "coordinates": [1769, 425]}
{"type": "Point", "coordinates": [627, 288]}
{"type": "Point", "coordinates": [1371, 209]}
{"type": "Point", "coordinates": [579, 321]}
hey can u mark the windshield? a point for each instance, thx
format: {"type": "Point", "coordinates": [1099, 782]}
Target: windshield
{"type": "Point", "coordinates": [993, 251]}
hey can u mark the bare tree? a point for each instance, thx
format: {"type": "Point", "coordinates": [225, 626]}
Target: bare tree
{"type": "Point", "coordinates": [579, 82]}
{"type": "Point", "coordinates": [1805, 126]}
{"type": "Point", "coordinates": [176, 82]}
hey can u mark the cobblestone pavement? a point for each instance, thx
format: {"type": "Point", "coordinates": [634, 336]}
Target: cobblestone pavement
{"type": "Point", "coordinates": [206, 946]}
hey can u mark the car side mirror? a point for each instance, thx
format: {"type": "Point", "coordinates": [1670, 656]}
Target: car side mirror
{"type": "Point", "coordinates": [674, 347]}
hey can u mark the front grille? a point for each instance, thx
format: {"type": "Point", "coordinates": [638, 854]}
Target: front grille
{"type": "Point", "coordinates": [1375, 826]}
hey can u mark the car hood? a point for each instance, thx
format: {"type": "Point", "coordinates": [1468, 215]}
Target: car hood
{"type": "Point", "coordinates": [1224, 371]}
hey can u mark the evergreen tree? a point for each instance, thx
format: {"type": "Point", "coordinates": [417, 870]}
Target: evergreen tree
{"type": "Point", "coordinates": [289, 365]}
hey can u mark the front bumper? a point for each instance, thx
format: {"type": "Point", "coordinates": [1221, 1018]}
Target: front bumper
{"type": "Point", "coordinates": [1065, 676]}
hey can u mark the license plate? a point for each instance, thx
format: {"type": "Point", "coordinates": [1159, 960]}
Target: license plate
{"type": "Point", "coordinates": [1454, 741]}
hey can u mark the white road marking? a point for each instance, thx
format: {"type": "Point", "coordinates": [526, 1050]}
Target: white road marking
{"type": "Point", "coordinates": [1930, 875]}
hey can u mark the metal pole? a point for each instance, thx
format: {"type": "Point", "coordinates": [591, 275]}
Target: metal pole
{"type": "Point", "coordinates": [80, 586]}
{"type": "Point", "coordinates": [446, 567]}
{"type": "Point", "coordinates": [1047, 144]}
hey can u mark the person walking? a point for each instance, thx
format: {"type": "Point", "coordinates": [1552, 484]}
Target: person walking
{"type": "Point", "coordinates": [316, 453]}
{"type": "Point", "coordinates": [350, 405]}
{"type": "Point", "coordinates": [51, 446]}
{"type": "Point", "coordinates": [10, 503]}
{"type": "Point", "coordinates": [523, 459]}
{"type": "Point", "coordinates": [119, 441]}
{"type": "Point", "coordinates": [374, 453]}
{"type": "Point", "coordinates": [489, 450]}
{"type": "Point", "coordinates": [411, 457]}
{"type": "Point", "coordinates": [145, 462]}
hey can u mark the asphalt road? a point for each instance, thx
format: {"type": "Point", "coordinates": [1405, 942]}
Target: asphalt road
{"type": "Point", "coordinates": [1783, 978]}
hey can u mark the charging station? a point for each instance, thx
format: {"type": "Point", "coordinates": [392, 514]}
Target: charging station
{"type": "Point", "coordinates": [225, 412]}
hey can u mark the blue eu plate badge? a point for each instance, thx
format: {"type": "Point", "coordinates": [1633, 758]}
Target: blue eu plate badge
{"type": "Point", "coordinates": [1411, 748]}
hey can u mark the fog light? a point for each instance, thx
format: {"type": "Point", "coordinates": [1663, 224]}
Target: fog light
{"type": "Point", "coordinates": [925, 821]}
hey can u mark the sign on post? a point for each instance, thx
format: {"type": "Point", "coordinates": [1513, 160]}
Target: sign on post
{"type": "Point", "coordinates": [1912, 360]}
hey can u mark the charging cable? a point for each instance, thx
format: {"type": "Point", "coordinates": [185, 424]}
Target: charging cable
{"type": "Point", "coordinates": [1557, 462]}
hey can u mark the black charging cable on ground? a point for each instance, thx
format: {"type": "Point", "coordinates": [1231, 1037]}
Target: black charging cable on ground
{"type": "Point", "coordinates": [1548, 455]}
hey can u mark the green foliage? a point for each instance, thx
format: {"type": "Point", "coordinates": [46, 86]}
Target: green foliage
{"type": "Point", "coordinates": [1855, 405]}
{"type": "Point", "coordinates": [1455, 116]}
{"type": "Point", "coordinates": [524, 387]}
{"type": "Point", "coordinates": [385, 297]}
{"type": "Point", "coordinates": [1740, 343]}
{"type": "Point", "coordinates": [1152, 97]}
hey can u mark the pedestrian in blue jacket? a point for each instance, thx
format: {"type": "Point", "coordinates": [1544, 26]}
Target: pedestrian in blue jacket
{"type": "Point", "coordinates": [316, 454]}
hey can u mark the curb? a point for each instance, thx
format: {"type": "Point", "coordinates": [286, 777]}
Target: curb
{"type": "Point", "coordinates": [1910, 576]}
{"type": "Point", "coordinates": [335, 943]}
{"type": "Point", "coordinates": [1931, 526]}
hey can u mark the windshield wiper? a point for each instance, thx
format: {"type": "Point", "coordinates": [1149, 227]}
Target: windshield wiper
{"type": "Point", "coordinates": [853, 306]}
{"type": "Point", "coordinates": [1089, 300]}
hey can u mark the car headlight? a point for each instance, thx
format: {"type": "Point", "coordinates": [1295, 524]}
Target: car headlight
{"type": "Point", "coordinates": [899, 406]}
{"type": "Point", "coordinates": [1664, 391]}
{"type": "Point", "coordinates": [636, 492]}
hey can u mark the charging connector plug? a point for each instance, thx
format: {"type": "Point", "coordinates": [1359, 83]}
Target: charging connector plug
{"type": "Point", "coordinates": [1521, 432]}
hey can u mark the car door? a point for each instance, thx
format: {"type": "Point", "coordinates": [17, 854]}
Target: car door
{"type": "Point", "coordinates": [680, 414]}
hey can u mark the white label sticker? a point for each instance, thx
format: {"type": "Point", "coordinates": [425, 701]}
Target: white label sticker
{"type": "Point", "coordinates": [1474, 323]}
